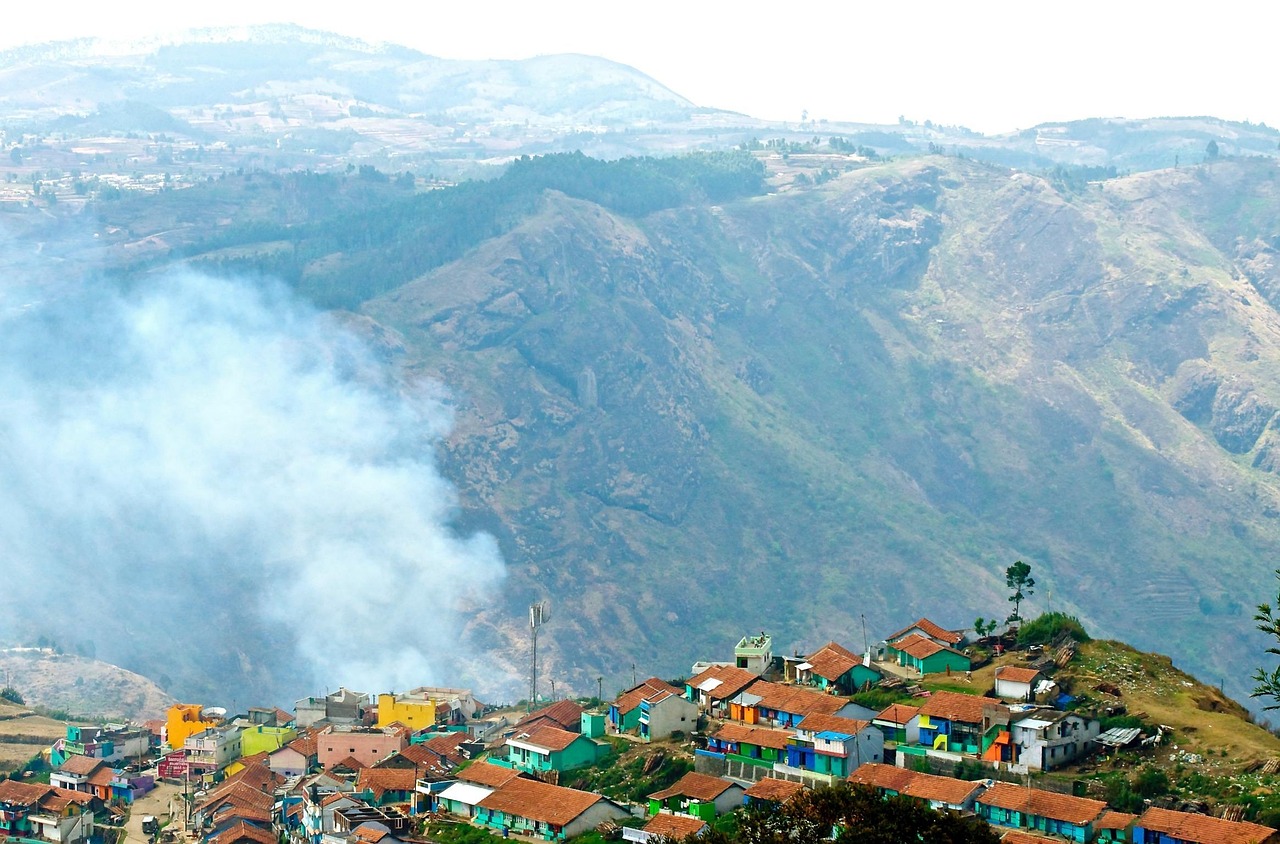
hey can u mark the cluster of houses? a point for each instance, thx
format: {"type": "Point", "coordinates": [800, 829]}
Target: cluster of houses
{"type": "Point", "coordinates": [352, 768]}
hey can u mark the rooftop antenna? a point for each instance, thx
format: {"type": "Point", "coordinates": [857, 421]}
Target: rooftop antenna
{"type": "Point", "coordinates": [538, 615]}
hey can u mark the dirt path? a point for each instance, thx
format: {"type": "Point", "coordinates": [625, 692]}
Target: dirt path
{"type": "Point", "coordinates": [159, 802]}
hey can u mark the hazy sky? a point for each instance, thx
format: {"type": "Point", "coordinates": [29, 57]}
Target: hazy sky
{"type": "Point", "coordinates": [992, 66]}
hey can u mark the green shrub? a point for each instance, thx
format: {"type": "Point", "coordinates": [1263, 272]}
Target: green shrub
{"type": "Point", "coordinates": [1049, 626]}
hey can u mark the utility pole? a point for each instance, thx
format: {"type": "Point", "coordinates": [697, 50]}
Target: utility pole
{"type": "Point", "coordinates": [633, 675]}
{"type": "Point", "coordinates": [600, 689]}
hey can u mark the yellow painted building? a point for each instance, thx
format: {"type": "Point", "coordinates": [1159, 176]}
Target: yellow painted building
{"type": "Point", "coordinates": [414, 711]}
{"type": "Point", "coordinates": [185, 720]}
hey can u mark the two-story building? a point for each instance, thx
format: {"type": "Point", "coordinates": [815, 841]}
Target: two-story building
{"type": "Point", "coordinates": [426, 707]}
{"type": "Point", "coordinates": [1045, 739]}
{"type": "Point", "coordinates": [112, 743]}
{"type": "Point", "coordinates": [754, 653]}
{"type": "Point", "coordinates": [712, 688]}
{"type": "Point", "coordinates": [341, 707]}
{"type": "Point", "coordinates": [834, 747]}
{"type": "Point", "coordinates": [29, 810]}
{"type": "Point", "coordinates": [367, 745]}
{"type": "Point", "coordinates": [965, 724]}
{"type": "Point", "coordinates": [265, 738]}
{"type": "Point", "coordinates": [184, 720]}
{"type": "Point", "coordinates": [213, 749]}
{"type": "Point", "coordinates": [653, 709]}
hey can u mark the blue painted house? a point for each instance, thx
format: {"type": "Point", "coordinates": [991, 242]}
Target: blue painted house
{"type": "Point", "coordinates": [1017, 807]}
{"type": "Point", "coordinates": [834, 747]}
{"type": "Point", "coordinates": [1165, 826]}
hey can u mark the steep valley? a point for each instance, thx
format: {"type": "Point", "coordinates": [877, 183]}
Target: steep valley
{"type": "Point", "coordinates": [690, 413]}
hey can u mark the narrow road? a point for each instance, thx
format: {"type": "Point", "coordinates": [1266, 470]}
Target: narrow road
{"type": "Point", "coordinates": [160, 801]}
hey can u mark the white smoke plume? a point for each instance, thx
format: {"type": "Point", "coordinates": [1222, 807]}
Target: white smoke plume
{"type": "Point", "coordinates": [209, 483]}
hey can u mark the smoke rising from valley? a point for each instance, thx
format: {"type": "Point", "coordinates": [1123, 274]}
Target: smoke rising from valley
{"type": "Point", "coordinates": [206, 482]}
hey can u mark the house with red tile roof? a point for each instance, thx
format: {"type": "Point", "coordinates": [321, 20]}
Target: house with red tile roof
{"type": "Point", "coordinates": [927, 656]}
{"type": "Point", "coordinates": [1016, 683]}
{"type": "Point", "coordinates": [700, 795]}
{"type": "Point", "coordinates": [713, 688]}
{"type": "Point", "coordinates": [668, 827]}
{"type": "Point", "coordinates": [84, 774]}
{"type": "Point", "coordinates": [926, 628]}
{"type": "Point", "coordinates": [960, 723]}
{"type": "Point", "coordinates": [832, 747]}
{"type": "Point", "coordinates": [487, 774]}
{"type": "Point", "coordinates": [780, 705]}
{"type": "Point", "coordinates": [1169, 827]}
{"type": "Point", "coordinates": [654, 709]}
{"type": "Point", "coordinates": [241, 831]}
{"type": "Point", "coordinates": [31, 810]}
{"type": "Point", "coordinates": [1114, 827]}
{"type": "Point", "coordinates": [835, 667]}
{"type": "Point", "coordinates": [447, 746]}
{"type": "Point", "coordinates": [295, 758]}
{"type": "Point", "coordinates": [428, 764]}
{"type": "Point", "coordinates": [549, 812]}
{"type": "Point", "coordinates": [939, 792]}
{"type": "Point", "coordinates": [563, 714]}
{"type": "Point", "coordinates": [771, 790]}
{"type": "Point", "coordinates": [547, 748]}
{"type": "Point", "coordinates": [385, 786]}
{"type": "Point", "coordinates": [900, 723]}
{"type": "Point", "coordinates": [1018, 807]}
{"type": "Point", "coordinates": [757, 747]}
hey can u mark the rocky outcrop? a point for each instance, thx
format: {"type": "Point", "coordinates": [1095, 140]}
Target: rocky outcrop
{"type": "Point", "coordinates": [1240, 416]}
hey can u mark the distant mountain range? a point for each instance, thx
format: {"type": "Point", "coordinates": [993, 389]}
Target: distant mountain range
{"type": "Point", "coordinates": [308, 98]}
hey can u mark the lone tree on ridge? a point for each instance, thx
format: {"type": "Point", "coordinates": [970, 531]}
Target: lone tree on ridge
{"type": "Point", "coordinates": [1018, 578]}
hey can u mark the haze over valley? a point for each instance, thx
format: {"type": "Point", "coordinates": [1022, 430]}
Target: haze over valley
{"type": "Point", "coordinates": [323, 360]}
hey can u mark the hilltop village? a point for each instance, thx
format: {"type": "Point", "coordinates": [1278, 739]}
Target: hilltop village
{"type": "Point", "coordinates": [968, 727]}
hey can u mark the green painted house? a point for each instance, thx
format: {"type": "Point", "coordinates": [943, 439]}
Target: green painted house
{"type": "Point", "coordinates": [699, 795]}
{"type": "Point", "coordinates": [835, 667]}
{"type": "Point", "coordinates": [759, 746]}
{"type": "Point", "coordinates": [927, 656]}
{"type": "Point", "coordinates": [544, 811]}
{"type": "Point", "coordinates": [551, 749]}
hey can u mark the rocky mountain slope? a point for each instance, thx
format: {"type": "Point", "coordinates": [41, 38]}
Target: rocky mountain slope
{"type": "Point", "coordinates": [81, 686]}
{"type": "Point", "coordinates": [867, 398]}
{"type": "Point", "coordinates": [686, 418]}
